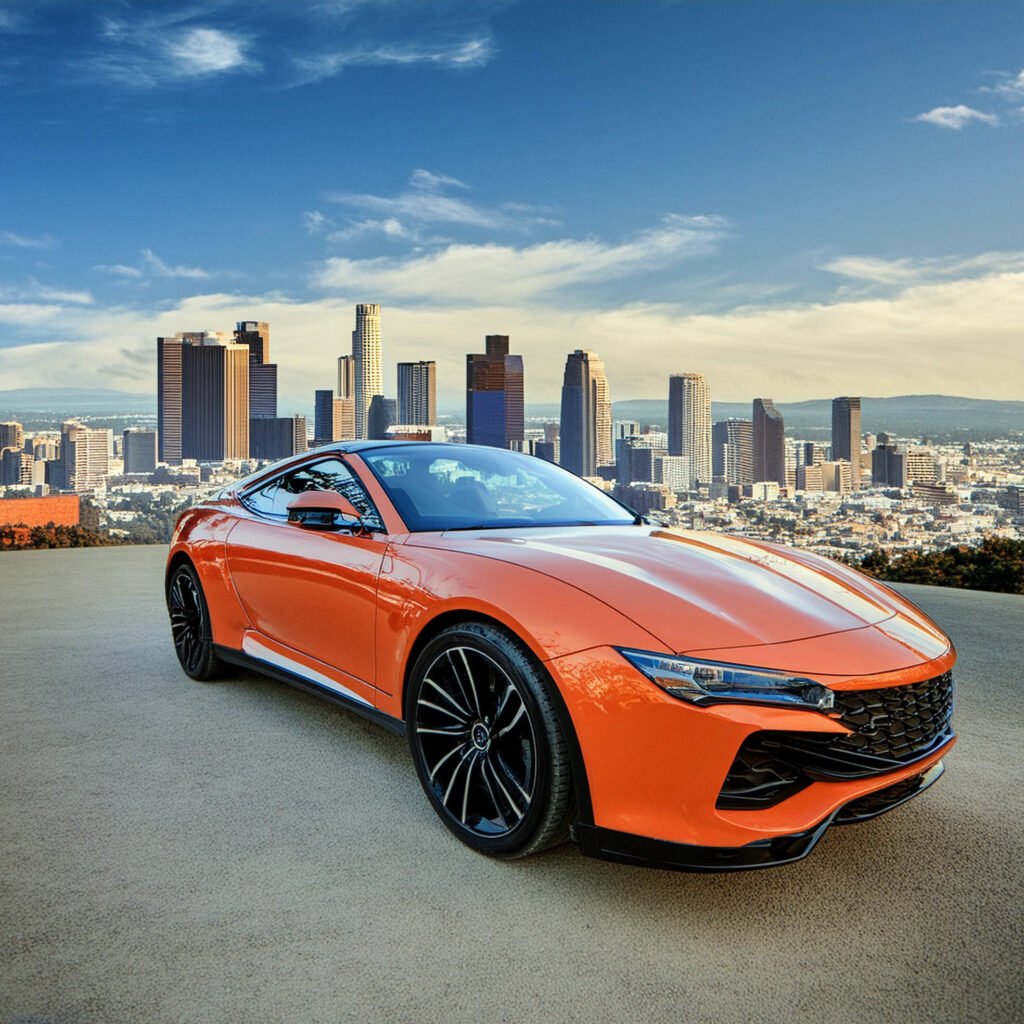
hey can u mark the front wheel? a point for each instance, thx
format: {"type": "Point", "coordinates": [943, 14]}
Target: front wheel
{"type": "Point", "coordinates": [190, 624]}
{"type": "Point", "coordinates": [486, 742]}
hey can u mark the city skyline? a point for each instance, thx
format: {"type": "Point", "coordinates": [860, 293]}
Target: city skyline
{"type": "Point", "coordinates": [793, 235]}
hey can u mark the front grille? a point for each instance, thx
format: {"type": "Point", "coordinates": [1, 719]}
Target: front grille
{"type": "Point", "coordinates": [759, 779]}
{"type": "Point", "coordinates": [890, 728]}
{"type": "Point", "coordinates": [900, 722]}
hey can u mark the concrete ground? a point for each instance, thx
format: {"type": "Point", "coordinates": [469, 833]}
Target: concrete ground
{"type": "Point", "coordinates": [239, 851]}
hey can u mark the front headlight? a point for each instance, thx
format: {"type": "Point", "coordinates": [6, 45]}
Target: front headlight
{"type": "Point", "coordinates": [711, 682]}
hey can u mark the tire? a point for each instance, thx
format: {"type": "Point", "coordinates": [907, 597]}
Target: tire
{"type": "Point", "coordinates": [190, 624]}
{"type": "Point", "coordinates": [486, 742]}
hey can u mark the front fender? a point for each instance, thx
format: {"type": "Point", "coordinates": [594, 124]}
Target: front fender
{"type": "Point", "coordinates": [418, 585]}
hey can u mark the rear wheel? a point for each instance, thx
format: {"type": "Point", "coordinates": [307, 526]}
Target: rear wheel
{"type": "Point", "coordinates": [190, 624]}
{"type": "Point", "coordinates": [488, 749]}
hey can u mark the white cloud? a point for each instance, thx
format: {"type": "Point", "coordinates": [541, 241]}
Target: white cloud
{"type": "Point", "coordinates": [151, 265]}
{"type": "Point", "coordinates": [390, 227]}
{"type": "Point", "coordinates": [425, 201]}
{"type": "Point", "coordinates": [26, 315]}
{"type": "Point", "coordinates": [956, 117]}
{"type": "Point", "coordinates": [423, 179]}
{"type": "Point", "coordinates": [945, 336]}
{"type": "Point", "coordinates": [464, 54]}
{"type": "Point", "coordinates": [906, 271]}
{"type": "Point", "coordinates": [204, 51]}
{"type": "Point", "coordinates": [143, 44]}
{"type": "Point", "coordinates": [27, 241]}
{"type": "Point", "coordinates": [486, 274]}
{"type": "Point", "coordinates": [314, 222]}
{"type": "Point", "coordinates": [161, 269]}
{"type": "Point", "coordinates": [156, 50]}
{"type": "Point", "coordinates": [1008, 91]}
{"type": "Point", "coordinates": [118, 269]}
{"type": "Point", "coordinates": [1009, 86]}
{"type": "Point", "coordinates": [34, 291]}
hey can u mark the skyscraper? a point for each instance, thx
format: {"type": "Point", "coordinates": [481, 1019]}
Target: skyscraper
{"type": "Point", "coordinates": [15, 467]}
{"type": "Point", "coordinates": [323, 416]}
{"type": "Point", "coordinates": [366, 356]}
{"type": "Point", "coordinates": [85, 456]}
{"type": "Point", "coordinates": [888, 464]}
{"type": "Point", "coordinates": [262, 390]}
{"type": "Point", "coordinates": [139, 450]}
{"type": "Point", "coordinates": [417, 392]}
{"type": "Point", "coordinates": [12, 435]}
{"type": "Point", "coordinates": [689, 424]}
{"type": "Point", "coordinates": [769, 443]}
{"type": "Point", "coordinates": [732, 451]}
{"type": "Point", "coordinates": [168, 398]}
{"type": "Point", "coordinates": [586, 428]}
{"type": "Point", "coordinates": [346, 377]}
{"type": "Point", "coordinates": [380, 417]}
{"type": "Point", "coordinates": [262, 372]}
{"type": "Point", "coordinates": [255, 334]}
{"type": "Point", "coordinates": [345, 419]}
{"type": "Point", "coordinates": [215, 400]}
{"type": "Point", "coordinates": [846, 435]}
{"type": "Point", "coordinates": [494, 395]}
{"type": "Point", "coordinates": [277, 437]}
{"type": "Point", "coordinates": [301, 435]}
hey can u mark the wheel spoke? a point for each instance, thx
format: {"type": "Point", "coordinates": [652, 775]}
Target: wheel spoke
{"type": "Point", "coordinates": [454, 750]}
{"type": "Point", "coordinates": [515, 810]}
{"type": "Point", "coordinates": [444, 711]}
{"type": "Point", "coordinates": [458, 678]}
{"type": "Point", "coordinates": [509, 690]}
{"type": "Point", "coordinates": [519, 714]}
{"type": "Point", "coordinates": [448, 697]}
{"type": "Point", "coordinates": [510, 775]}
{"type": "Point", "coordinates": [471, 681]}
{"type": "Point", "coordinates": [455, 774]}
{"type": "Point", "coordinates": [469, 778]}
{"type": "Point", "coordinates": [494, 798]}
{"type": "Point", "coordinates": [441, 732]}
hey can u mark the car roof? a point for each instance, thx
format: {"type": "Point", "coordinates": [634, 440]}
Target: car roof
{"type": "Point", "coordinates": [344, 448]}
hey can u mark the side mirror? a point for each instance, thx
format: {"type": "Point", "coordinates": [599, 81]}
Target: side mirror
{"type": "Point", "coordinates": [324, 510]}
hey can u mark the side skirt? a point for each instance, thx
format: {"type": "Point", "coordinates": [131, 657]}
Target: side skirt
{"type": "Point", "coordinates": [247, 661]}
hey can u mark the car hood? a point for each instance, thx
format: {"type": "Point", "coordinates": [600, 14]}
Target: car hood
{"type": "Point", "coordinates": [699, 591]}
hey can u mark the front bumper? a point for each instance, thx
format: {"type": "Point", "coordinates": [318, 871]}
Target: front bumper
{"type": "Point", "coordinates": [640, 851]}
{"type": "Point", "coordinates": [650, 765]}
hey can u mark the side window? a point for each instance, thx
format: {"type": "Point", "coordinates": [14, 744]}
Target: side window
{"type": "Point", "coordinates": [329, 475]}
{"type": "Point", "coordinates": [262, 500]}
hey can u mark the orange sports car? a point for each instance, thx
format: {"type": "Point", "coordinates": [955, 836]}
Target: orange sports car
{"type": "Point", "coordinates": [561, 667]}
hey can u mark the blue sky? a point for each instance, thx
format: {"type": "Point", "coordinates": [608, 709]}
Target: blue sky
{"type": "Point", "coordinates": [804, 197]}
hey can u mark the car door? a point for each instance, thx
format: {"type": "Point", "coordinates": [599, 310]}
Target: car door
{"type": "Point", "coordinates": [313, 591]}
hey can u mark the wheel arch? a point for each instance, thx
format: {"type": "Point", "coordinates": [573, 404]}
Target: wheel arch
{"type": "Point", "coordinates": [176, 559]}
{"type": "Point", "coordinates": [457, 616]}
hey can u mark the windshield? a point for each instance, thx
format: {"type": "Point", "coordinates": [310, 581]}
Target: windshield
{"type": "Point", "coordinates": [457, 486]}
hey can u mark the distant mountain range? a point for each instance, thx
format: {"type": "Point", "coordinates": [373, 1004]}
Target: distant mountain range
{"type": "Point", "coordinates": [936, 416]}
{"type": "Point", "coordinates": [75, 401]}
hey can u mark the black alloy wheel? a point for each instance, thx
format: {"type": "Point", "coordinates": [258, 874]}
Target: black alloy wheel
{"type": "Point", "coordinates": [488, 749]}
{"type": "Point", "coordinates": [190, 624]}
